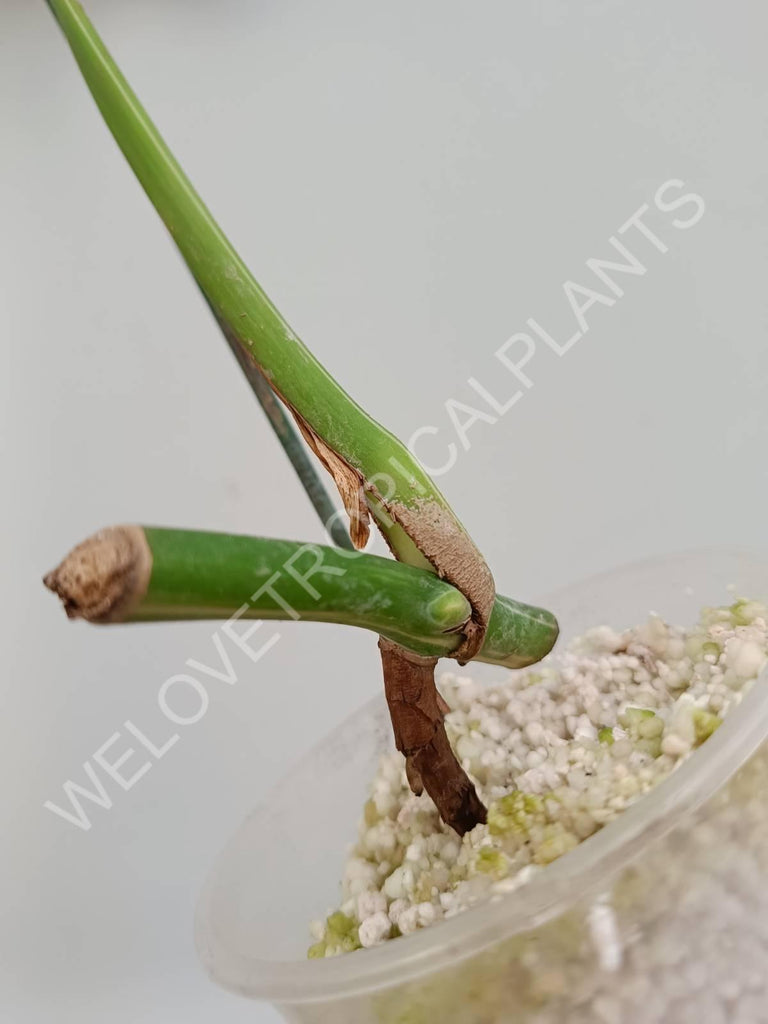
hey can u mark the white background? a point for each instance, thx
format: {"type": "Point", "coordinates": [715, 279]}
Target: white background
{"type": "Point", "coordinates": [410, 183]}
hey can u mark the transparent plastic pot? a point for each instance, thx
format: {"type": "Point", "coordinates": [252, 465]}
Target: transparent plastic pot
{"type": "Point", "coordinates": [662, 916]}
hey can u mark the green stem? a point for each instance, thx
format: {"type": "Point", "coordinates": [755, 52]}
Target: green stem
{"type": "Point", "coordinates": [198, 575]}
{"type": "Point", "coordinates": [233, 292]}
{"type": "Point", "coordinates": [373, 470]}
{"type": "Point", "coordinates": [290, 441]}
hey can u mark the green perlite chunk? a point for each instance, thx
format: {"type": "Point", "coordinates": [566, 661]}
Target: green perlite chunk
{"type": "Point", "coordinates": [492, 862]}
{"type": "Point", "coordinates": [650, 746]}
{"type": "Point", "coordinates": [650, 728]}
{"type": "Point", "coordinates": [557, 841]}
{"type": "Point", "coordinates": [704, 724]}
{"type": "Point", "coordinates": [644, 728]}
{"type": "Point", "coordinates": [515, 812]}
{"type": "Point", "coordinates": [339, 925]}
{"type": "Point", "coordinates": [633, 716]}
{"type": "Point", "coordinates": [745, 612]}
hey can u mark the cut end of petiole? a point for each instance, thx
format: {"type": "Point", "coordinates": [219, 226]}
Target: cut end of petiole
{"type": "Point", "coordinates": [104, 578]}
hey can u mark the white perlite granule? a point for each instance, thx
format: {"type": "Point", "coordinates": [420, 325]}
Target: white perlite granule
{"type": "Point", "coordinates": [556, 752]}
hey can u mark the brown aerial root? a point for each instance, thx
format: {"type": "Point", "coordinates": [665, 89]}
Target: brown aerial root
{"type": "Point", "coordinates": [416, 709]}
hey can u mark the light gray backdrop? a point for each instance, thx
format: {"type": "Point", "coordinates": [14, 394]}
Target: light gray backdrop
{"type": "Point", "coordinates": [411, 183]}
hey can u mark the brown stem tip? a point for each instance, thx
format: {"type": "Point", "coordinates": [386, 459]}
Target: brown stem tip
{"type": "Point", "coordinates": [104, 578]}
{"type": "Point", "coordinates": [416, 709]}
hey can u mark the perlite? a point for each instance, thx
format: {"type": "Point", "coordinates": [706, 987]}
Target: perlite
{"type": "Point", "coordinates": [556, 753]}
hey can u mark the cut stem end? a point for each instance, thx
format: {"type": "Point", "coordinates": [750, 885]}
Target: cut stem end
{"type": "Point", "coordinates": [104, 578]}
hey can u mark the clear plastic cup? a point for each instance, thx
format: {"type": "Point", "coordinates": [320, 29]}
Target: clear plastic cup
{"type": "Point", "coordinates": [662, 916]}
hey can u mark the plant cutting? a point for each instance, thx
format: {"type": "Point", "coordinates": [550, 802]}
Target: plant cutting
{"type": "Point", "coordinates": [134, 573]}
{"type": "Point", "coordinates": [488, 789]}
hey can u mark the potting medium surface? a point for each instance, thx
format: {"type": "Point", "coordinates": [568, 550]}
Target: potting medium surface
{"type": "Point", "coordinates": [556, 753]}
